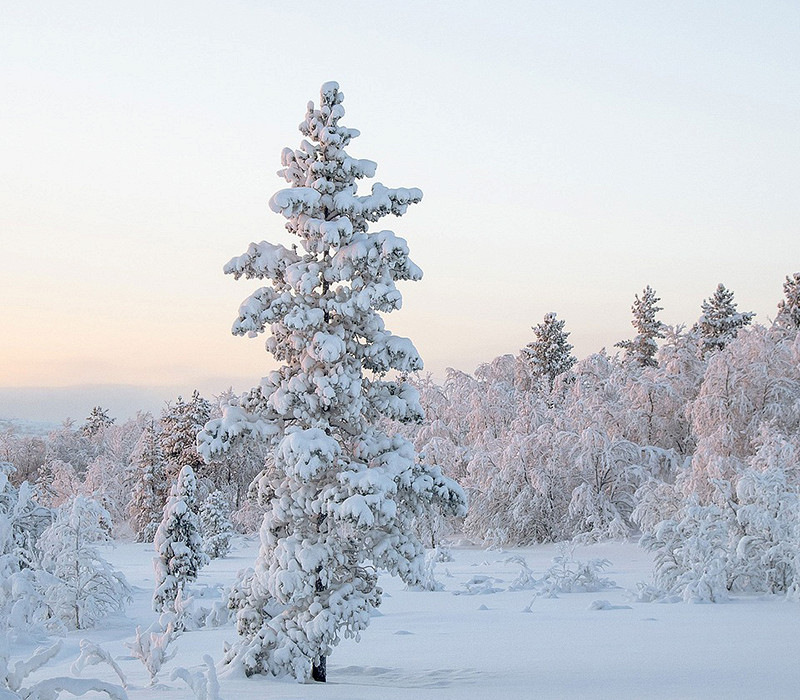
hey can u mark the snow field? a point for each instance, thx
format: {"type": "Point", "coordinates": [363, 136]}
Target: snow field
{"type": "Point", "coordinates": [438, 645]}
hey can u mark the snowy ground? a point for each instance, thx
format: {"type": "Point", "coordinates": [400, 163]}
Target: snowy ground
{"type": "Point", "coordinates": [439, 645]}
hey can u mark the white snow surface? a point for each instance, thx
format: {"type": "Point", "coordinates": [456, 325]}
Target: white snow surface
{"type": "Point", "coordinates": [439, 645]}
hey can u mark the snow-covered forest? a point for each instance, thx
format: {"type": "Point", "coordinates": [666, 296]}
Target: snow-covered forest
{"type": "Point", "coordinates": [349, 478]}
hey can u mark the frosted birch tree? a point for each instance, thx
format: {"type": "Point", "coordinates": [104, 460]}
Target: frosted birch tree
{"type": "Point", "coordinates": [343, 494]}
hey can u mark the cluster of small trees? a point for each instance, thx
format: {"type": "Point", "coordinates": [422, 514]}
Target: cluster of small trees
{"type": "Point", "coordinates": [100, 480]}
{"type": "Point", "coordinates": [130, 468]}
{"type": "Point", "coordinates": [691, 438]}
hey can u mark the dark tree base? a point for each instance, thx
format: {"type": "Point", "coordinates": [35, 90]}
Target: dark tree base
{"type": "Point", "coordinates": [319, 671]}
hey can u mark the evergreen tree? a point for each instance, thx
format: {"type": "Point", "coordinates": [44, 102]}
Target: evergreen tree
{"type": "Point", "coordinates": [149, 486]}
{"type": "Point", "coordinates": [343, 494]}
{"type": "Point", "coordinates": [789, 307]}
{"type": "Point", "coordinates": [720, 321]}
{"type": "Point", "coordinates": [178, 543]}
{"type": "Point", "coordinates": [180, 425]}
{"type": "Point", "coordinates": [216, 525]}
{"type": "Point", "coordinates": [97, 421]}
{"type": "Point", "coordinates": [643, 348]}
{"type": "Point", "coordinates": [549, 354]}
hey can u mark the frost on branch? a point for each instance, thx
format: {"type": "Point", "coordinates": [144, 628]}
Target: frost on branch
{"type": "Point", "coordinates": [342, 496]}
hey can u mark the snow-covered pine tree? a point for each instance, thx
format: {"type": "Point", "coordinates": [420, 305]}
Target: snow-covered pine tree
{"type": "Point", "coordinates": [178, 542]}
{"type": "Point", "coordinates": [643, 348]}
{"type": "Point", "coordinates": [149, 490]}
{"type": "Point", "coordinates": [720, 321]}
{"type": "Point", "coordinates": [179, 427]}
{"type": "Point", "coordinates": [97, 421]}
{"type": "Point", "coordinates": [216, 525]}
{"type": "Point", "coordinates": [549, 354]}
{"type": "Point", "coordinates": [789, 307]}
{"type": "Point", "coordinates": [343, 493]}
{"type": "Point", "coordinates": [86, 587]}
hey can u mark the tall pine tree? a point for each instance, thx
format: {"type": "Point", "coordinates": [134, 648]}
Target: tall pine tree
{"type": "Point", "coordinates": [720, 321]}
{"type": "Point", "coordinates": [149, 490]}
{"type": "Point", "coordinates": [789, 307]}
{"type": "Point", "coordinates": [549, 354]}
{"type": "Point", "coordinates": [343, 494]}
{"type": "Point", "coordinates": [643, 348]}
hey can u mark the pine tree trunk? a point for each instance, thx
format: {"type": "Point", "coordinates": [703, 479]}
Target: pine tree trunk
{"type": "Point", "coordinates": [319, 669]}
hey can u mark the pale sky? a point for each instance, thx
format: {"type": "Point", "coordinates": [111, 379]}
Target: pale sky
{"type": "Point", "coordinates": [570, 153]}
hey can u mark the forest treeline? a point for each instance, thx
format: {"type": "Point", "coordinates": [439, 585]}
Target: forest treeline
{"type": "Point", "coordinates": [688, 437]}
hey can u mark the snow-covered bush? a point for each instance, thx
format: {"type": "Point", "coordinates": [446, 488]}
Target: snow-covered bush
{"type": "Point", "coordinates": [151, 646]}
{"type": "Point", "coordinates": [204, 684]}
{"type": "Point", "coordinates": [570, 575]}
{"type": "Point", "coordinates": [93, 654]}
{"type": "Point", "coordinates": [12, 679]}
{"type": "Point", "coordinates": [524, 580]}
{"type": "Point", "coordinates": [83, 587]}
{"type": "Point", "coordinates": [178, 543]}
{"type": "Point", "coordinates": [692, 553]}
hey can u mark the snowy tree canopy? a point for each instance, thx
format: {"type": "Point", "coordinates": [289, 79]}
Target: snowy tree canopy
{"type": "Point", "coordinates": [343, 495]}
{"type": "Point", "coordinates": [180, 424]}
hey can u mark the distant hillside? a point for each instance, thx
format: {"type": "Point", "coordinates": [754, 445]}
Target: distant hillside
{"type": "Point", "coordinates": [26, 427]}
{"type": "Point", "coordinates": [52, 405]}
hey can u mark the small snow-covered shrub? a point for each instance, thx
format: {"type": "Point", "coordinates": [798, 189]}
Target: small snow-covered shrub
{"type": "Point", "coordinates": [569, 575]}
{"type": "Point", "coordinates": [479, 585]}
{"type": "Point", "coordinates": [12, 679]}
{"type": "Point", "coordinates": [83, 587]}
{"type": "Point", "coordinates": [93, 654]}
{"type": "Point", "coordinates": [525, 580]}
{"type": "Point", "coordinates": [151, 647]}
{"type": "Point", "coordinates": [692, 553]}
{"type": "Point", "coordinates": [204, 685]}
{"type": "Point", "coordinates": [428, 580]}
